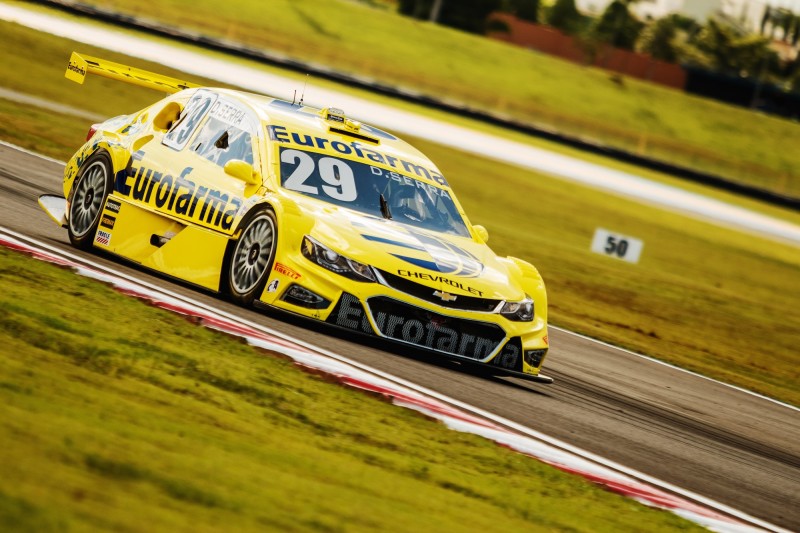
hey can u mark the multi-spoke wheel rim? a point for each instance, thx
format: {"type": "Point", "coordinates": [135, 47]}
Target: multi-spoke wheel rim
{"type": "Point", "coordinates": [252, 254]}
{"type": "Point", "coordinates": [88, 199]}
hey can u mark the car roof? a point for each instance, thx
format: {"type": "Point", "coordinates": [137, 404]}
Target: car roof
{"type": "Point", "coordinates": [309, 121]}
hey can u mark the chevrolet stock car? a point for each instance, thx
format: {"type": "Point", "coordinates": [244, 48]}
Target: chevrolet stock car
{"type": "Point", "coordinates": [274, 203]}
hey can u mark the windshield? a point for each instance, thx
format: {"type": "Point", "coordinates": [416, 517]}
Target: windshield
{"type": "Point", "coordinates": [359, 186]}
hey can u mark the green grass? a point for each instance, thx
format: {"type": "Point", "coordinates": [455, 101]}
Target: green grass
{"type": "Point", "coordinates": [530, 86]}
{"type": "Point", "coordinates": [121, 417]}
{"type": "Point", "coordinates": [37, 67]}
{"type": "Point", "coordinates": [24, 126]}
{"type": "Point", "coordinates": [713, 300]}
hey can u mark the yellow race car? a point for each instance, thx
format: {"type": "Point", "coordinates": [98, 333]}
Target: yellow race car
{"type": "Point", "coordinates": [276, 203]}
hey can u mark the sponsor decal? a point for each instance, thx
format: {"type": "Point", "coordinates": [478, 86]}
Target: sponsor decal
{"type": "Point", "coordinates": [421, 328]}
{"type": "Point", "coordinates": [334, 114]}
{"type": "Point", "coordinates": [132, 128]}
{"type": "Point", "coordinates": [102, 237]}
{"type": "Point", "coordinates": [409, 182]}
{"type": "Point", "coordinates": [250, 202]}
{"type": "Point", "coordinates": [434, 335]}
{"type": "Point", "coordinates": [178, 195]}
{"type": "Point", "coordinates": [440, 279]}
{"type": "Point", "coordinates": [546, 341]}
{"type": "Point", "coordinates": [509, 357]}
{"type": "Point", "coordinates": [357, 151]}
{"type": "Point", "coordinates": [286, 271]}
{"type": "Point", "coordinates": [112, 205]}
{"type": "Point", "coordinates": [227, 113]}
{"type": "Point", "coordinates": [108, 221]}
{"type": "Point", "coordinates": [431, 253]}
{"type": "Point", "coordinates": [273, 285]}
{"type": "Point", "coordinates": [74, 67]}
{"type": "Point", "coordinates": [79, 159]}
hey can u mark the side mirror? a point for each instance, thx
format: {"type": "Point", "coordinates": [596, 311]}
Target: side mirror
{"type": "Point", "coordinates": [481, 232]}
{"type": "Point", "coordinates": [242, 170]}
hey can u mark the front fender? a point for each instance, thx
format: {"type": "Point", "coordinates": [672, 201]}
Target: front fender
{"type": "Point", "coordinates": [259, 200]}
{"type": "Point", "coordinates": [532, 283]}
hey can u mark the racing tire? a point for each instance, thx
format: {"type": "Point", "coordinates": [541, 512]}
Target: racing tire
{"type": "Point", "coordinates": [90, 190]}
{"type": "Point", "coordinates": [248, 260]}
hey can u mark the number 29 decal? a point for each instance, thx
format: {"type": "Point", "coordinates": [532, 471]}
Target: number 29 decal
{"type": "Point", "coordinates": [338, 179]}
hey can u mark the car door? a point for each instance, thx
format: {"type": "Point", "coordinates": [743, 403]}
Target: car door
{"type": "Point", "coordinates": [182, 174]}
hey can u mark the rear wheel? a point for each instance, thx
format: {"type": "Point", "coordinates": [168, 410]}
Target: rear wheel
{"type": "Point", "coordinates": [91, 188]}
{"type": "Point", "coordinates": [250, 258]}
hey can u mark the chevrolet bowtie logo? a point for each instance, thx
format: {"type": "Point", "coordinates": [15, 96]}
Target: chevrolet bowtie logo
{"type": "Point", "coordinates": [445, 296]}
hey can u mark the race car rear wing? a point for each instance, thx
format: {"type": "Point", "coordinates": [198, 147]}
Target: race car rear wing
{"type": "Point", "coordinates": [80, 65]}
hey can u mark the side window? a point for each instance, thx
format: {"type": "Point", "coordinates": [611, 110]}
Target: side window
{"type": "Point", "coordinates": [220, 142]}
{"type": "Point", "coordinates": [196, 109]}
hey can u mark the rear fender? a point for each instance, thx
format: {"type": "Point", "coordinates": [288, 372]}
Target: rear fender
{"type": "Point", "coordinates": [117, 153]}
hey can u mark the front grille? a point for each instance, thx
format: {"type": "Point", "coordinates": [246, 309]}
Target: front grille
{"type": "Point", "coordinates": [456, 336]}
{"type": "Point", "coordinates": [423, 292]}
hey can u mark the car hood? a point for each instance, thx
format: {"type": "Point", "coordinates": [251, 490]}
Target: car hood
{"type": "Point", "coordinates": [449, 263]}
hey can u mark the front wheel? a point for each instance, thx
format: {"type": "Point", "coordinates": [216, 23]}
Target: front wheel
{"type": "Point", "coordinates": [90, 191]}
{"type": "Point", "coordinates": [250, 258]}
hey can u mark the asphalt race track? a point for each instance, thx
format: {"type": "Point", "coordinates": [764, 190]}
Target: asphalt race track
{"type": "Point", "coordinates": [733, 447]}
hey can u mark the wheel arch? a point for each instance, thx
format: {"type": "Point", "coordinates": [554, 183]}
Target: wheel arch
{"type": "Point", "coordinates": [257, 208]}
{"type": "Point", "coordinates": [90, 201]}
{"type": "Point", "coordinates": [118, 156]}
{"type": "Point", "coordinates": [250, 207]}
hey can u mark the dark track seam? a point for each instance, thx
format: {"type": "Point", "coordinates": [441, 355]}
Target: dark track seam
{"type": "Point", "coordinates": [644, 411]}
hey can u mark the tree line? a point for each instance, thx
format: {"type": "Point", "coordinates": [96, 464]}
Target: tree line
{"type": "Point", "coordinates": [718, 44]}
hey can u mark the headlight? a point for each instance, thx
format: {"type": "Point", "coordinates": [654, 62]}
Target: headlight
{"type": "Point", "coordinates": [519, 311]}
{"type": "Point", "coordinates": [327, 258]}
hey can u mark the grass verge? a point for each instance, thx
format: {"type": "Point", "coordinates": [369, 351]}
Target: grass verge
{"type": "Point", "coordinates": [118, 416]}
{"type": "Point", "coordinates": [534, 87]}
{"type": "Point", "coordinates": [709, 299]}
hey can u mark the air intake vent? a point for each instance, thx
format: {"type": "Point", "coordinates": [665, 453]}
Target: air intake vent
{"type": "Point", "coordinates": [360, 136]}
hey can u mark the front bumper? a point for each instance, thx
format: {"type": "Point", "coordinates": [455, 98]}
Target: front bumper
{"type": "Point", "coordinates": [381, 310]}
{"type": "Point", "coordinates": [464, 338]}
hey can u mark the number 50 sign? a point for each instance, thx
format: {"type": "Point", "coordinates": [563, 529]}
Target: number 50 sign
{"type": "Point", "coordinates": [616, 245]}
